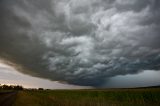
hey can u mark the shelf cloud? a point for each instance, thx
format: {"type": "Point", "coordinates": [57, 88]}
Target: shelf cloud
{"type": "Point", "coordinates": [81, 42]}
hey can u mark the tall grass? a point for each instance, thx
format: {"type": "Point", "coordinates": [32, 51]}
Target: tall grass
{"type": "Point", "coordinates": [118, 97]}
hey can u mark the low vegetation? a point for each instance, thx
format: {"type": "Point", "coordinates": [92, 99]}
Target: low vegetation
{"type": "Point", "coordinates": [19, 96]}
{"type": "Point", "coordinates": [109, 97]}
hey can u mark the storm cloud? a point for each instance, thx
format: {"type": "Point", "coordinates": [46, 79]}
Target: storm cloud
{"type": "Point", "coordinates": [82, 42]}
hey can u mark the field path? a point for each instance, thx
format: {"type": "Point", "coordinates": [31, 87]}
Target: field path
{"type": "Point", "coordinates": [7, 98]}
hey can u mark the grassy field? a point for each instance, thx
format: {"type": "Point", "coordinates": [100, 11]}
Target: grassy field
{"type": "Point", "coordinates": [110, 97]}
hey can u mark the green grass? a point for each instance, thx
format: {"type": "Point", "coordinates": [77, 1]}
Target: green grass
{"type": "Point", "coordinates": [115, 97]}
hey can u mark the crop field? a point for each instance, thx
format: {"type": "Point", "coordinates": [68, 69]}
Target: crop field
{"type": "Point", "coordinates": [109, 97]}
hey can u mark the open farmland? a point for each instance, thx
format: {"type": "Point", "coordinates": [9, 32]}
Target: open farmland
{"type": "Point", "coordinates": [108, 97]}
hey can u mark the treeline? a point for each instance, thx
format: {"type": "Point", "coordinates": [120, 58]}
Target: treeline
{"type": "Point", "coordinates": [19, 87]}
{"type": "Point", "coordinates": [11, 87]}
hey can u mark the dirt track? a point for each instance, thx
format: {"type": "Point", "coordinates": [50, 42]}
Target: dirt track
{"type": "Point", "coordinates": [7, 98]}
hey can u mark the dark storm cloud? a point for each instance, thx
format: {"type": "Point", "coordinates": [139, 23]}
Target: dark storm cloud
{"type": "Point", "coordinates": [81, 42]}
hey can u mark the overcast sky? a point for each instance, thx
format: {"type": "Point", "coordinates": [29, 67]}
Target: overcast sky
{"type": "Point", "coordinates": [81, 42]}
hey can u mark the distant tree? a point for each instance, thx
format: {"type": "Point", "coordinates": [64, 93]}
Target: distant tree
{"type": "Point", "coordinates": [48, 89]}
{"type": "Point", "coordinates": [18, 87]}
{"type": "Point", "coordinates": [5, 87]}
{"type": "Point", "coordinates": [40, 89]}
{"type": "Point", "coordinates": [11, 87]}
{"type": "Point", "coordinates": [0, 86]}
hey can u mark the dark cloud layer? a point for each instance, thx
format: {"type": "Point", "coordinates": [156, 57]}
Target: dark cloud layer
{"type": "Point", "coordinates": [81, 42]}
